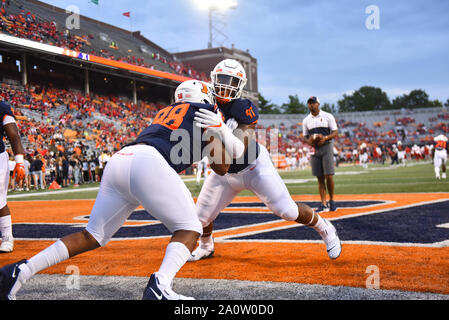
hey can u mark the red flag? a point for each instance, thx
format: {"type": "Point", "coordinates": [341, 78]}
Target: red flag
{"type": "Point", "coordinates": [127, 14]}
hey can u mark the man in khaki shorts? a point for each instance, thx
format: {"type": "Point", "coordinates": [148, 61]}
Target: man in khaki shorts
{"type": "Point", "coordinates": [319, 129]}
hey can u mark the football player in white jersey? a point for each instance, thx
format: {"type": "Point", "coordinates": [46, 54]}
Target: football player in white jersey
{"type": "Point", "coordinates": [304, 161]}
{"type": "Point", "coordinates": [201, 169]}
{"type": "Point", "coordinates": [363, 156]}
{"type": "Point", "coordinates": [253, 170]}
{"type": "Point", "coordinates": [439, 155]}
{"type": "Point", "coordinates": [402, 157]}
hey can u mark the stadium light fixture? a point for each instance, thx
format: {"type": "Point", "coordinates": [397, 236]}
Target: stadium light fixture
{"type": "Point", "coordinates": [216, 25]}
{"type": "Point", "coordinates": [221, 5]}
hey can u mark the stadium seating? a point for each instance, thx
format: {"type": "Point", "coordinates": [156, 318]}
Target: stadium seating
{"type": "Point", "coordinates": [386, 128]}
{"type": "Point", "coordinates": [27, 19]}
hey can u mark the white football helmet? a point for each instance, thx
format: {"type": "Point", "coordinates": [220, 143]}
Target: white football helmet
{"type": "Point", "coordinates": [440, 138]}
{"type": "Point", "coordinates": [195, 91]}
{"type": "Point", "coordinates": [228, 79]}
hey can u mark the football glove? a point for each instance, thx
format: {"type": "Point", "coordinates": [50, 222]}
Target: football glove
{"type": "Point", "coordinates": [19, 169]}
{"type": "Point", "coordinates": [232, 124]}
{"type": "Point", "coordinates": [213, 122]}
{"type": "Point", "coordinates": [210, 120]}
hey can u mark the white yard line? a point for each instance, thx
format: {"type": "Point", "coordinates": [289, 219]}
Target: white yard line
{"type": "Point", "coordinates": [286, 181]}
{"type": "Point", "coordinates": [48, 193]}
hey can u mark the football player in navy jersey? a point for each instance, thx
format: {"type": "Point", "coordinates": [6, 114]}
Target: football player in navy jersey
{"type": "Point", "coordinates": [251, 170]}
{"type": "Point", "coordinates": [145, 173]}
{"type": "Point", "coordinates": [10, 130]}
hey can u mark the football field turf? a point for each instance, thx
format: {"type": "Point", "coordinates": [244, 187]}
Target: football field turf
{"type": "Point", "coordinates": [393, 223]}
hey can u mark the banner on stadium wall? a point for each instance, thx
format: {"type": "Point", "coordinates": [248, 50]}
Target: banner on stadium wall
{"type": "Point", "coordinates": [91, 58]}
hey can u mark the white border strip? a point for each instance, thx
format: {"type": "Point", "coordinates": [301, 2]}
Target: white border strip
{"type": "Point", "coordinates": [444, 243]}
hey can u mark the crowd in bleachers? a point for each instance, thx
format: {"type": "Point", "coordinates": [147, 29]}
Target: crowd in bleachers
{"type": "Point", "coordinates": [62, 126]}
{"type": "Point", "coordinates": [26, 25]}
{"type": "Point", "coordinates": [383, 139]}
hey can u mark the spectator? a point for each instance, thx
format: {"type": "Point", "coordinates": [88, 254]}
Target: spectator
{"type": "Point", "coordinates": [75, 164]}
{"type": "Point", "coordinates": [85, 165]}
{"type": "Point", "coordinates": [27, 164]}
{"type": "Point", "coordinates": [59, 169]}
{"type": "Point", "coordinates": [65, 172]}
{"type": "Point", "coordinates": [93, 169]}
{"type": "Point", "coordinates": [36, 171]}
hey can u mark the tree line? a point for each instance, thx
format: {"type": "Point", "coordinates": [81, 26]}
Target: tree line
{"type": "Point", "coordinates": [366, 98]}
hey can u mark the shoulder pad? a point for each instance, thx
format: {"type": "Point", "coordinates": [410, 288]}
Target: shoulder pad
{"type": "Point", "coordinates": [244, 111]}
{"type": "Point", "coordinates": [5, 109]}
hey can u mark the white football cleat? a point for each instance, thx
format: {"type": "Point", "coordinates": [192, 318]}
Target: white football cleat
{"type": "Point", "coordinates": [332, 241]}
{"type": "Point", "coordinates": [443, 175]}
{"type": "Point", "coordinates": [202, 252]}
{"type": "Point", "coordinates": [7, 245]}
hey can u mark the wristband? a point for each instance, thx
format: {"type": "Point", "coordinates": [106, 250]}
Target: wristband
{"type": "Point", "coordinates": [19, 158]}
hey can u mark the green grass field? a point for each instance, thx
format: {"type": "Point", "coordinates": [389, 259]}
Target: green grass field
{"type": "Point", "coordinates": [416, 177]}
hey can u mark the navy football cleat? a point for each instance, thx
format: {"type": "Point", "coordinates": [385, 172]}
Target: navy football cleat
{"type": "Point", "coordinates": [157, 291]}
{"type": "Point", "coordinates": [8, 277]}
{"type": "Point", "coordinates": [322, 208]}
{"type": "Point", "coordinates": [332, 205]}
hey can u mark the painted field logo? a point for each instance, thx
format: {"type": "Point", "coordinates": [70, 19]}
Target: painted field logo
{"type": "Point", "coordinates": [391, 219]}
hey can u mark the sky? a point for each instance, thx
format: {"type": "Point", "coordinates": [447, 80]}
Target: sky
{"type": "Point", "coordinates": [307, 47]}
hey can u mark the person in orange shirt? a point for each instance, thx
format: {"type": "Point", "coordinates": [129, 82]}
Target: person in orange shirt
{"type": "Point", "coordinates": [44, 169]}
{"type": "Point", "coordinates": [77, 150]}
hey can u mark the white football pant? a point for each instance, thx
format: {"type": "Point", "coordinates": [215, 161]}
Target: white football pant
{"type": "Point", "coordinates": [440, 158]}
{"type": "Point", "coordinates": [4, 178]}
{"type": "Point", "coordinates": [260, 177]}
{"type": "Point", "coordinates": [139, 175]}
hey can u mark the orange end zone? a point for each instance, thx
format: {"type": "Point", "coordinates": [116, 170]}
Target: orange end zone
{"type": "Point", "coordinates": [423, 269]}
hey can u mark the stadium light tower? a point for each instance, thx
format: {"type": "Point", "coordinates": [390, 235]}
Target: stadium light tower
{"type": "Point", "coordinates": [217, 18]}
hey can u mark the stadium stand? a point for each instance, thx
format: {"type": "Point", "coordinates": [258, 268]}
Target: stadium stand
{"type": "Point", "coordinates": [375, 128]}
{"type": "Point", "coordinates": [27, 19]}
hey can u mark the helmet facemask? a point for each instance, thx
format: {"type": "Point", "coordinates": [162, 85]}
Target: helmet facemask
{"type": "Point", "coordinates": [227, 87]}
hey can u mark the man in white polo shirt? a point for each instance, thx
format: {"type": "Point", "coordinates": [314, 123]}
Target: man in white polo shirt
{"type": "Point", "coordinates": [319, 129]}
